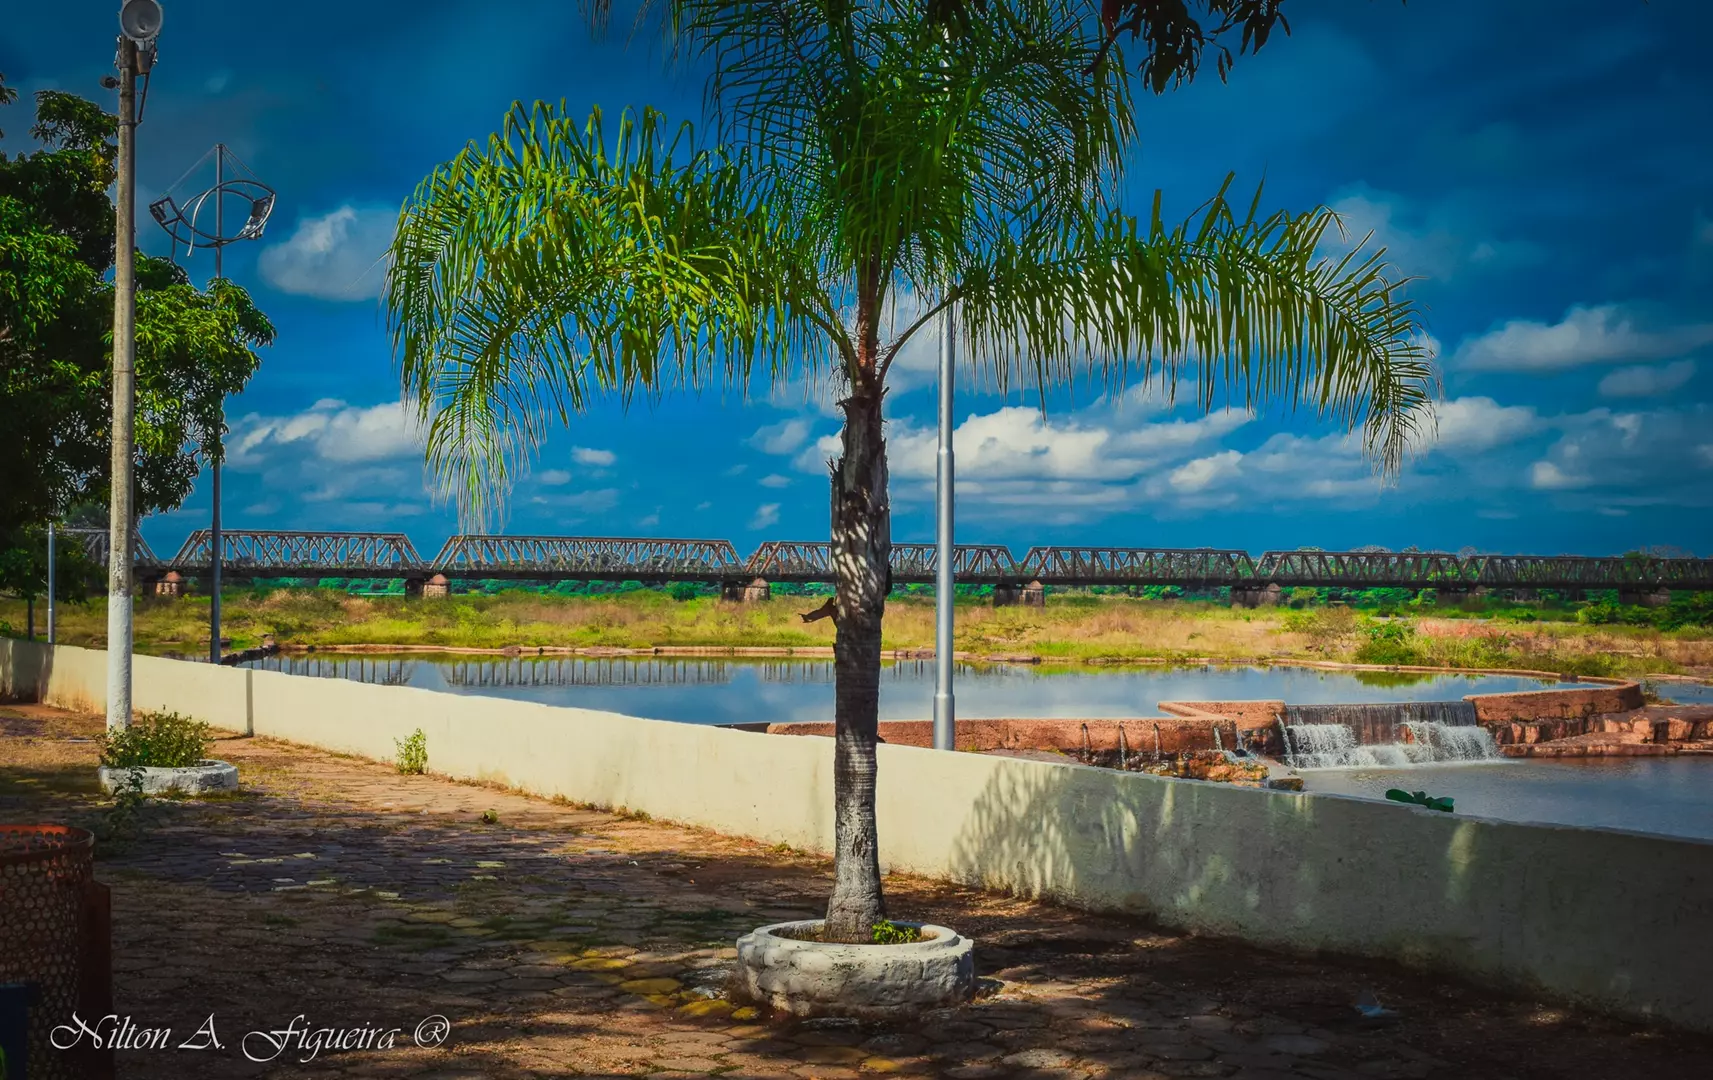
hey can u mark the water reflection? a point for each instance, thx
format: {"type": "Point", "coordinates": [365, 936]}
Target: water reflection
{"type": "Point", "coordinates": [722, 690]}
{"type": "Point", "coordinates": [1646, 794]}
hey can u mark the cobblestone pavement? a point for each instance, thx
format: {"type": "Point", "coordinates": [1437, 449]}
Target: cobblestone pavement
{"type": "Point", "coordinates": [560, 941]}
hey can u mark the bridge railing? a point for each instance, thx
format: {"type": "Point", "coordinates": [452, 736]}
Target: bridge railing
{"type": "Point", "coordinates": [1363, 569]}
{"type": "Point", "coordinates": [811, 561]}
{"type": "Point", "coordinates": [596, 558]}
{"type": "Point", "coordinates": [96, 543]}
{"type": "Point", "coordinates": [587, 558]}
{"type": "Point", "coordinates": [302, 554]}
{"type": "Point", "coordinates": [1135, 566]}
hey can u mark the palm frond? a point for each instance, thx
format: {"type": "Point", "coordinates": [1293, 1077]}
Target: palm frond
{"type": "Point", "coordinates": [530, 274]}
{"type": "Point", "coordinates": [1252, 308]}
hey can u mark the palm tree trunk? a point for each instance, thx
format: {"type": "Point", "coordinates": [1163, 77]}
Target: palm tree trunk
{"type": "Point", "coordinates": [862, 549]}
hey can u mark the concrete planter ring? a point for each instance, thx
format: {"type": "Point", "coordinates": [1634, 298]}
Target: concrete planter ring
{"type": "Point", "coordinates": [785, 967]}
{"type": "Point", "coordinates": [199, 779]}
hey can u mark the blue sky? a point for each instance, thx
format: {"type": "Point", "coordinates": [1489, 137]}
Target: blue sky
{"type": "Point", "coordinates": [1542, 165]}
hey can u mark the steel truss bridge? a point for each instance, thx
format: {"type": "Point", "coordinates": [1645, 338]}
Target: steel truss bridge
{"type": "Point", "coordinates": [268, 554]}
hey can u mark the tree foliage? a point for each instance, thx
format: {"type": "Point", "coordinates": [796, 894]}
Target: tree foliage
{"type": "Point", "coordinates": [194, 346]}
{"type": "Point", "coordinates": [870, 166]}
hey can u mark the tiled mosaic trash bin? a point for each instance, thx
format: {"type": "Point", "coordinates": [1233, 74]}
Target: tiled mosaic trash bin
{"type": "Point", "coordinates": [54, 937]}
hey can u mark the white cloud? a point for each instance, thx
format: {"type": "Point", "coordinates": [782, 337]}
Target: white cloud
{"type": "Point", "coordinates": [1019, 443]}
{"type": "Point", "coordinates": [1423, 240]}
{"type": "Point", "coordinates": [781, 438]}
{"type": "Point", "coordinates": [648, 521]}
{"type": "Point", "coordinates": [1480, 423]}
{"type": "Point", "coordinates": [333, 452]}
{"type": "Point", "coordinates": [1642, 381]}
{"type": "Point", "coordinates": [1586, 335]}
{"type": "Point", "coordinates": [1629, 459]}
{"type": "Point", "coordinates": [338, 256]}
{"type": "Point", "coordinates": [766, 514]}
{"type": "Point", "coordinates": [1547, 476]}
{"type": "Point", "coordinates": [584, 455]}
{"type": "Point", "coordinates": [1205, 472]}
{"type": "Point", "coordinates": [827, 448]}
{"type": "Point", "coordinates": [588, 502]}
{"type": "Point", "coordinates": [774, 480]}
{"type": "Point", "coordinates": [554, 478]}
{"type": "Point", "coordinates": [331, 430]}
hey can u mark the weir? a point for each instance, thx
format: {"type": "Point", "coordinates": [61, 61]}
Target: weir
{"type": "Point", "coordinates": [1389, 735]}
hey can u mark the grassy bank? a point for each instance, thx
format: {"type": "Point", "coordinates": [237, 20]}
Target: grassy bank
{"type": "Point", "coordinates": [1071, 628]}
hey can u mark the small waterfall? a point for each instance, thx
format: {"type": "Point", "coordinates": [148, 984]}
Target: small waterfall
{"type": "Point", "coordinates": [1383, 736]}
{"type": "Point", "coordinates": [1453, 742]}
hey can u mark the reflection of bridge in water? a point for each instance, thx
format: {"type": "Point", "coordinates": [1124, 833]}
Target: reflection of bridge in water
{"type": "Point", "coordinates": [473, 672]}
{"type": "Point", "coordinates": [585, 671]}
{"type": "Point", "coordinates": [384, 670]}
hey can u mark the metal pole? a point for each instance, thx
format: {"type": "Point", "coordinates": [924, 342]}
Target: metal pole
{"type": "Point", "coordinates": [124, 400]}
{"type": "Point", "coordinates": [51, 583]}
{"type": "Point", "coordinates": [214, 530]}
{"type": "Point", "coordinates": [945, 712]}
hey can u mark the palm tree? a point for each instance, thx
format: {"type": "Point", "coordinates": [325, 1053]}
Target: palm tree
{"type": "Point", "coordinates": [875, 168]}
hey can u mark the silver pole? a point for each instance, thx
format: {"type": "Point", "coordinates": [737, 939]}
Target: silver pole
{"type": "Point", "coordinates": [214, 530]}
{"type": "Point", "coordinates": [945, 712]}
{"type": "Point", "coordinates": [50, 583]}
{"type": "Point", "coordinates": [124, 400]}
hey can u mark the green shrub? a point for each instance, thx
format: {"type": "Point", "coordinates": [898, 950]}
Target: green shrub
{"type": "Point", "coordinates": [157, 740]}
{"type": "Point", "coordinates": [681, 591]}
{"type": "Point", "coordinates": [891, 933]}
{"type": "Point", "coordinates": [412, 757]}
{"type": "Point", "coordinates": [1392, 641]}
{"type": "Point", "coordinates": [1325, 627]}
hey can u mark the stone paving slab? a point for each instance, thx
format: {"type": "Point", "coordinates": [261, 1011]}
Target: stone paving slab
{"type": "Point", "coordinates": [559, 941]}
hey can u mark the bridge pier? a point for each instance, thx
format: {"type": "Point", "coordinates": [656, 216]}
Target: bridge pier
{"type": "Point", "coordinates": [1251, 596]}
{"type": "Point", "coordinates": [1006, 595]}
{"type": "Point", "coordinates": [754, 591]}
{"type": "Point", "coordinates": [1034, 594]}
{"type": "Point", "coordinates": [436, 587]}
{"type": "Point", "coordinates": [170, 585]}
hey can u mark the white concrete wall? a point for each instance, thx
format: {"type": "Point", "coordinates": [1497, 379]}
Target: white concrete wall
{"type": "Point", "coordinates": [1614, 919]}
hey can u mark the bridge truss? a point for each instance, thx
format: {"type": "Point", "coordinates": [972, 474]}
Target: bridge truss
{"type": "Point", "coordinates": [278, 553]}
{"type": "Point", "coordinates": [274, 553]}
{"type": "Point", "coordinates": [587, 558]}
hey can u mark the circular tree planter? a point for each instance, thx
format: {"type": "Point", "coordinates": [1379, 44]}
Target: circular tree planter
{"type": "Point", "coordinates": [786, 967]}
{"type": "Point", "coordinates": [205, 776]}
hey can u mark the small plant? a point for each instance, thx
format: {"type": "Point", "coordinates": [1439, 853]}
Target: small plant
{"type": "Point", "coordinates": [1420, 798]}
{"type": "Point", "coordinates": [681, 591]}
{"type": "Point", "coordinates": [118, 826]}
{"type": "Point", "coordinates": [158, 740]}
{"type": "Point", "coordinates": [412, 757]}
{"type": "Point", "coordinates": [490, 817]}
{"type": "Point", "coordinates": [1390, 641]}
{"type": "Point", "coordinates": [891, 933]}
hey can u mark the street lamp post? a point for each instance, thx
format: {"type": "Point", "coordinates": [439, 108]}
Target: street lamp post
{"type": "Point", "coordinates": [183, 224]}
{"type": "Point", "coordinates": [140, 21]}
{"type": "Point", "coordinates": [51, 583]}
{"type": "Point", "coordinates": [945, 713]}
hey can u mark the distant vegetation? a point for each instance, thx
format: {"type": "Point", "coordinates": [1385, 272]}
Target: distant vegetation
{"type": "Point", "coordinates": [1390, 627]}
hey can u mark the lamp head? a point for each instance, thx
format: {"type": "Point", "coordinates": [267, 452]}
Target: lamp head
{"type": "Point", "coordinates": [140, 20]}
